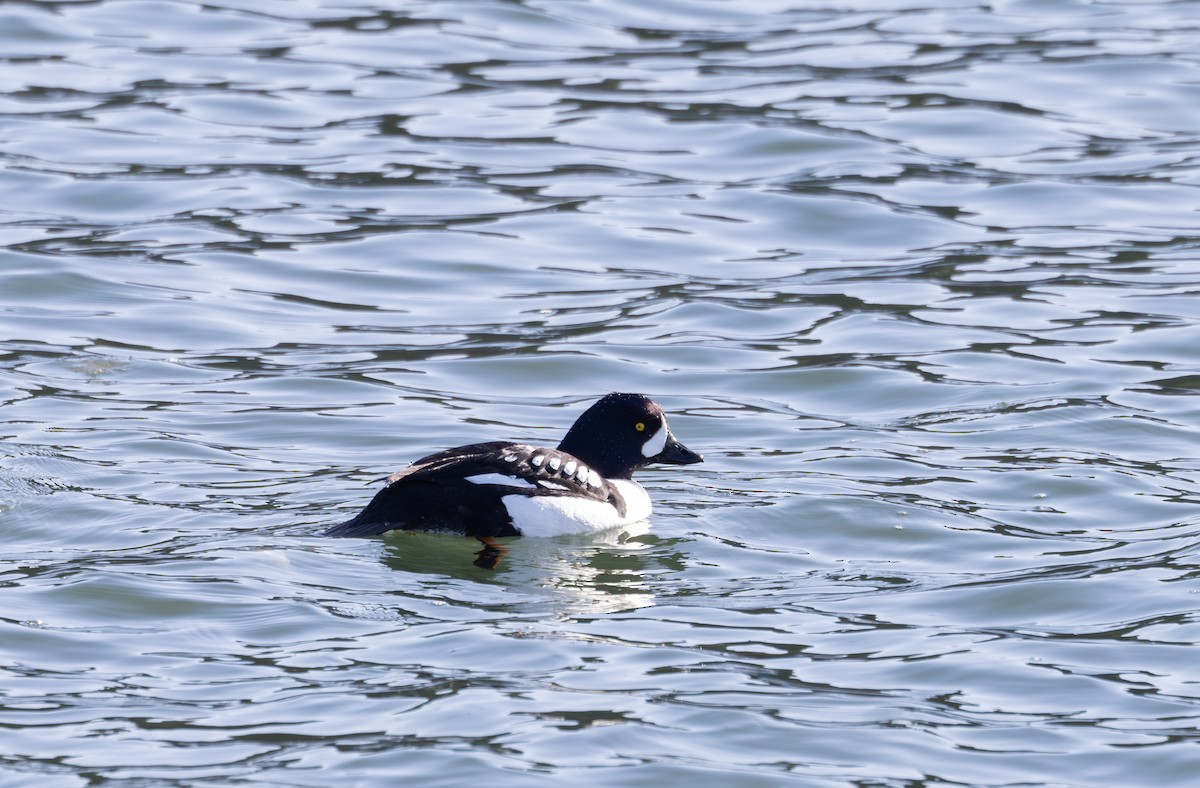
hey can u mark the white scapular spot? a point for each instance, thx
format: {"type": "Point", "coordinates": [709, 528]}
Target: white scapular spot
{"type": "Point", "coordinates": [537, 460]}
{"type": "Point", "coordinates": [554, 463]}
{"type": "Point", "coordinates": [569, 468]}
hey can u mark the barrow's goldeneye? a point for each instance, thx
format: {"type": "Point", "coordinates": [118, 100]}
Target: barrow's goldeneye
{"type": "Point", "coordinates": [489, 490]}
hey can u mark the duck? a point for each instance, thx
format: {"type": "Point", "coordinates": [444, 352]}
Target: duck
{"type": "Point", "coordinates": [501, 489]}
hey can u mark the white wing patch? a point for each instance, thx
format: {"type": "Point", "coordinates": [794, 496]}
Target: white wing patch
{"type": "Point", "coordinates": [499, 478]}
{"type": "Point", "coordinates": [656, 442]}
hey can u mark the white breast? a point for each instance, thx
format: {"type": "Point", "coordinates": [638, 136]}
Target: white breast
{"type": "Point", "coordinates": [551, 515]}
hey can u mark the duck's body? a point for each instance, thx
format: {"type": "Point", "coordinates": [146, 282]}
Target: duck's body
{"type": "Point", "coordinates": [497, 489]}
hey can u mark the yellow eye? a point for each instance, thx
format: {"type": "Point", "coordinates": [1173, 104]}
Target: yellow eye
{"type": "Point", "coordinates": [640, 426]}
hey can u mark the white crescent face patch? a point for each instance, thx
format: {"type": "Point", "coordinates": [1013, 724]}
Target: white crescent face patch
{"type": "Point", "coordinates": [655, 443]}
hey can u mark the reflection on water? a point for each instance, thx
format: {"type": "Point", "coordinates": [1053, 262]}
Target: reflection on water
{"type": "Point", "coordinates": [920, 279]}
{"type": "Point", "coordinates": [603, 572]}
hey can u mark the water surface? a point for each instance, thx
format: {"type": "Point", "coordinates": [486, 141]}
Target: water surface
{"type": "Point", "coordinates": [919, 279]}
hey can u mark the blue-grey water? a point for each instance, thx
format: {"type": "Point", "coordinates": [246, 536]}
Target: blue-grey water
{"type": "Point", "coordinates": [920, 279]}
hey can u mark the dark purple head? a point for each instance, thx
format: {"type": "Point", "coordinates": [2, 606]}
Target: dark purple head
{"type": "Point", "coordinates": [624, 432]}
